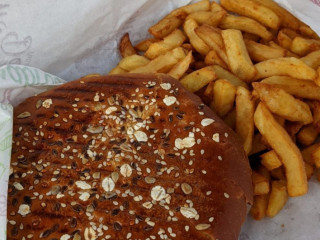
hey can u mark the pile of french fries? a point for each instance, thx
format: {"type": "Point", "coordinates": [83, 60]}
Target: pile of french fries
{"type": "Point", "coordinates": [258, 67]}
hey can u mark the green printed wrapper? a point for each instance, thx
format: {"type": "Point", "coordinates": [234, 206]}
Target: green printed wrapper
{"type": "Point", "coordinates": [17, 83]}
{"type": "Point", "coordinates": [5, 153]}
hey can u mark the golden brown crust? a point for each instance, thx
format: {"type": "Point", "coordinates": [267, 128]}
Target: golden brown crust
{"type": "Point", "coordinates": [81, 140]}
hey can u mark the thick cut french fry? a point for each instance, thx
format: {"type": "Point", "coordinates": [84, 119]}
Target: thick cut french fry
{"type": "Point", "coordinates": [125, 47]}
{"type": "Point", "coordinates": [209, 33]}
{"type": "Point", "coordinates": [293, 128]}
{"type": "Point", "coordinates": [284, 40]}
{"type": "Point", "coordinates": [285, 148]}
{"type": "Point", "coordinates": [250, 36]}
{"type": "Point", "coordinates": [315, 156]}
{"type": "Point", "coordinates": [117, 70]}
{"type": "Point", "coordinates": [317, 80]}
{"type": "Point", "coordinates": [209, 91]}
{"type": "Point", "coordinates": [278, 173]}
{"type": "Point", "coordinates": [212, 37]}
{"type": "Point", "coordinates": [173, 40]}
{"type": "Point", "coordinates": [257, 145]}
{"type": "Point", "coordinates": [291, 33]}
{"type": "Point", "coordinates": [264, 172]}
{"type": "Point", "coordinates": [163, 63]}
{"type": "Point", "coordinates": [181, 67]}
{"type": "Point", "coordinates": [198, 79]}
{"type": "Point", "coordinates": [224, 74]}
{"type": "Point", "coordinates": [255, 96]}
{"type": "Point", "coordinates": [212, 58]}
{"type": "Point", "coordinates": [307, 135]}
{"type": "Point", "coordinates": [274, 45]}
{"type": "Point", "coordinates": [270, 160]}
{"type": "Point", "coordinates": [145, 44]}
{"type": "Point", "coordinates": [312, 59]}
{"type": "Point", "coordinates": [245, 24]}
{"type": "Point", "coordinates": [309, 170]}
{"type": "Point", "coordinates": [187, 46]}
{"type": "Point", "coordinates": [253, 10]}
{"type": "Point", "coordinates": [278, 198]}
{"type": "Point", "coordinates": [287, 19]}
{"type": "Point", "coordinates": [224, 94]}
{"type": "Point", "coordinates": [132, 62]}
{"type": "Point", "coordinates": [303, 46]}
{"type": "Point", "coordinates": [216, 7]}
{"type": "Point", "coordinates": [260, 184]}
{"type": "Point", "coordinates": [260, 52]}
{"type": "Point", "coordinates": [306, 31]}
{"type": "Point", "coordinates": [230, 119]}
{"type": "Point", "coordinates": [315, 108]}
{"type": "Point", "coordinates": [169, 23]}
{"type": "Point", "coordinates": [238, 57]}
{"type": "Point", "coordinates": [283, 104]}
{"type": "Point", "coordinates": [178, 53]}
{"type": "Point", "coordinates": [207, 17]}
{"type": "Point", "coordinates": [291, 54]}
{"type": "Point", "coordinates": [288, 66]}
{"type": "Point", "coordinates": [203, 5]}
{"type": "Point", "coordinates": [259, 207]}
{"type": "Point", "coordinates": [285, 37]}
{"type": "Point", "coordinates": [307, 153]}
{"type": "Point", "coordinates": [244, 117]}
{"type": "Point", "coordinates": [189, 27]}
{"type": "Point", "coordinates": [288, 53]}
{"type": "Point", "coordinates": [296, 87]}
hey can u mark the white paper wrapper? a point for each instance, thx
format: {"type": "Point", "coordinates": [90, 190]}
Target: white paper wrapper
{"type": "Point", "coordinates": [76, 37]}
{"type": "Point", "coordinates": [73, 38]}
{"type": "Point", "coordinates": [5, 153]}
{"type": "Point", "coordinates": [17, 83]}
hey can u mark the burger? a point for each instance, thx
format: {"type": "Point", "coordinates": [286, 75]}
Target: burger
{"type": "Point", "coordinates": [125, 157]}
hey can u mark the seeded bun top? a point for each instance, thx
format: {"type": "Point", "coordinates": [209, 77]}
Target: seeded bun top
{"type": "Point", "coordinates": [125, 157]}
